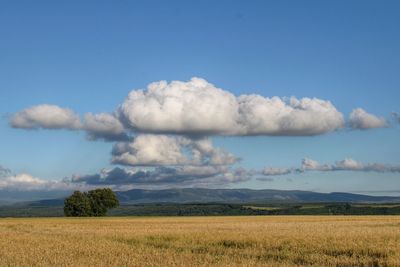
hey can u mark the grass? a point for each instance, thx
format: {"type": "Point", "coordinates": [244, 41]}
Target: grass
{"type": "Point", "coordinates": [201, 241]}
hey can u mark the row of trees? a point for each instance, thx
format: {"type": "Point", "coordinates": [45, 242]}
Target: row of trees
{"type": "Point", "coordinates": [92, 203]}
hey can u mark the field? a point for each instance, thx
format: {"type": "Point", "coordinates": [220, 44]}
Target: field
{"type": "Point", "coordinates": [201, 241]}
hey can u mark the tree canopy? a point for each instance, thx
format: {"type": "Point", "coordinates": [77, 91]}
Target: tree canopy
{"type": "Point", "coordinates": [92, 203]}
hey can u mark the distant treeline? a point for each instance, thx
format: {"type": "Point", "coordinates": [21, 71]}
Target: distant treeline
{"type": "Point", "coordinates": [217, 209]}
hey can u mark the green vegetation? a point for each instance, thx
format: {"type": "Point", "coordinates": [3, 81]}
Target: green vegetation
{"type": "Point", "coordinates": [209, 209]}
{"type": "Point", "coordinates": [331, 209]}
{"type": "Point", "coordinates": [92, 203]}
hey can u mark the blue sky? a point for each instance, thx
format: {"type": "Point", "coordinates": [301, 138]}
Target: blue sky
{"type": "Point", "coordinates": [88, 55]}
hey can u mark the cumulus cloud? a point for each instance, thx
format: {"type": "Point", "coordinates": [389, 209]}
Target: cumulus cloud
{"type": "Point", "coordinates": [204, 153]}
{"type": "Point", "coordinates": [313, 165]}
{"type": "Point", "coordinates": [197, 107]}
{"type": "Point", "coordinates": [101, 126]}
{"type": "Point", "coordinates": [362, 120]}
{"type": "Point", "coordinates": [165, 127]}
{"type": "Point", "coordinates": [154, 150]}
{"type": "Point", "coordinates": [271, 171]}
{"type": "Point", "coordinates": [46, 117]}
{"type": "Point", "coordinates": [235, 176]}
{"type": "Point", "coordinates": [104, 126]}
{"type": "Point", "coordinates": [174, 176]}
{"type": "Point", "coordinates": [150, 150]}
{"type": "Point", "coordinates": [275, 116]}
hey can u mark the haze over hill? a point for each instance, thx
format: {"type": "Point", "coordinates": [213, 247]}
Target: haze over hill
{"type": "Point", "coordinates": [241, 196]}
{"type": "Point", "coordinates": [203, 195]}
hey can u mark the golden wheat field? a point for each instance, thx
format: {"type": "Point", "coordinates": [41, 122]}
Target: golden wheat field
{"type": "Point", "coordinates": [201, 241]}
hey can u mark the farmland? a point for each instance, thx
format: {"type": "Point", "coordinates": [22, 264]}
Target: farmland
{"type": "Point", "coordinates": [201, 241]}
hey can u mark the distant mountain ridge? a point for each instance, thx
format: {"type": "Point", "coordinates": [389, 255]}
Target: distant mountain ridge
{"type": "Point", "coordinates": [203, 195]}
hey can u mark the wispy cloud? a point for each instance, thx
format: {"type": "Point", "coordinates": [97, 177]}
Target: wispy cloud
{"type": "Point", "coordinates": [347, 164]}
{"type": "Point", "coordinates": [273, 171]}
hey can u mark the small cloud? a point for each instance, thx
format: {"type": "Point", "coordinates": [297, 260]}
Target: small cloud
{"type": "Point", "coordinates": [270, 171]}
{"type": "Point", "coordinates": [104, 126]}
{"type": "Point", "coordinates": [362, 120]}
{"type": "Point", "coordinates": [312, 165]}
{"type": "Point", "coordinates": [46, 117]}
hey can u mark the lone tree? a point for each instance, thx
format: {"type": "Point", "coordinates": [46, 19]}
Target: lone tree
{"type": "Point", "coordinates": [92, 203]}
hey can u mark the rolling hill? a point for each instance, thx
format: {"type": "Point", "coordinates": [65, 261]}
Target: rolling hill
{"type": "Point", "coordinates": [202, 195]}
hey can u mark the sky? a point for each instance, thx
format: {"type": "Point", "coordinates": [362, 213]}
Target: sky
{"type": "Point", "coordinates": [264, 94]}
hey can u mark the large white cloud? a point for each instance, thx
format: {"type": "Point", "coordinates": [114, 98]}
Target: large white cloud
{"type": "Point", "coordinates": [47, 117]}
{"type": "Point", "coordinates": [194, 107]}
{"type": "Point", "coordinates": [362, 120]}
{"type": "Point", "coordinates": [277, 116]}
{"type": "Point", "coordinates": [197, 107]}
{"type": "Point", "coordinates": [154, 150]}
